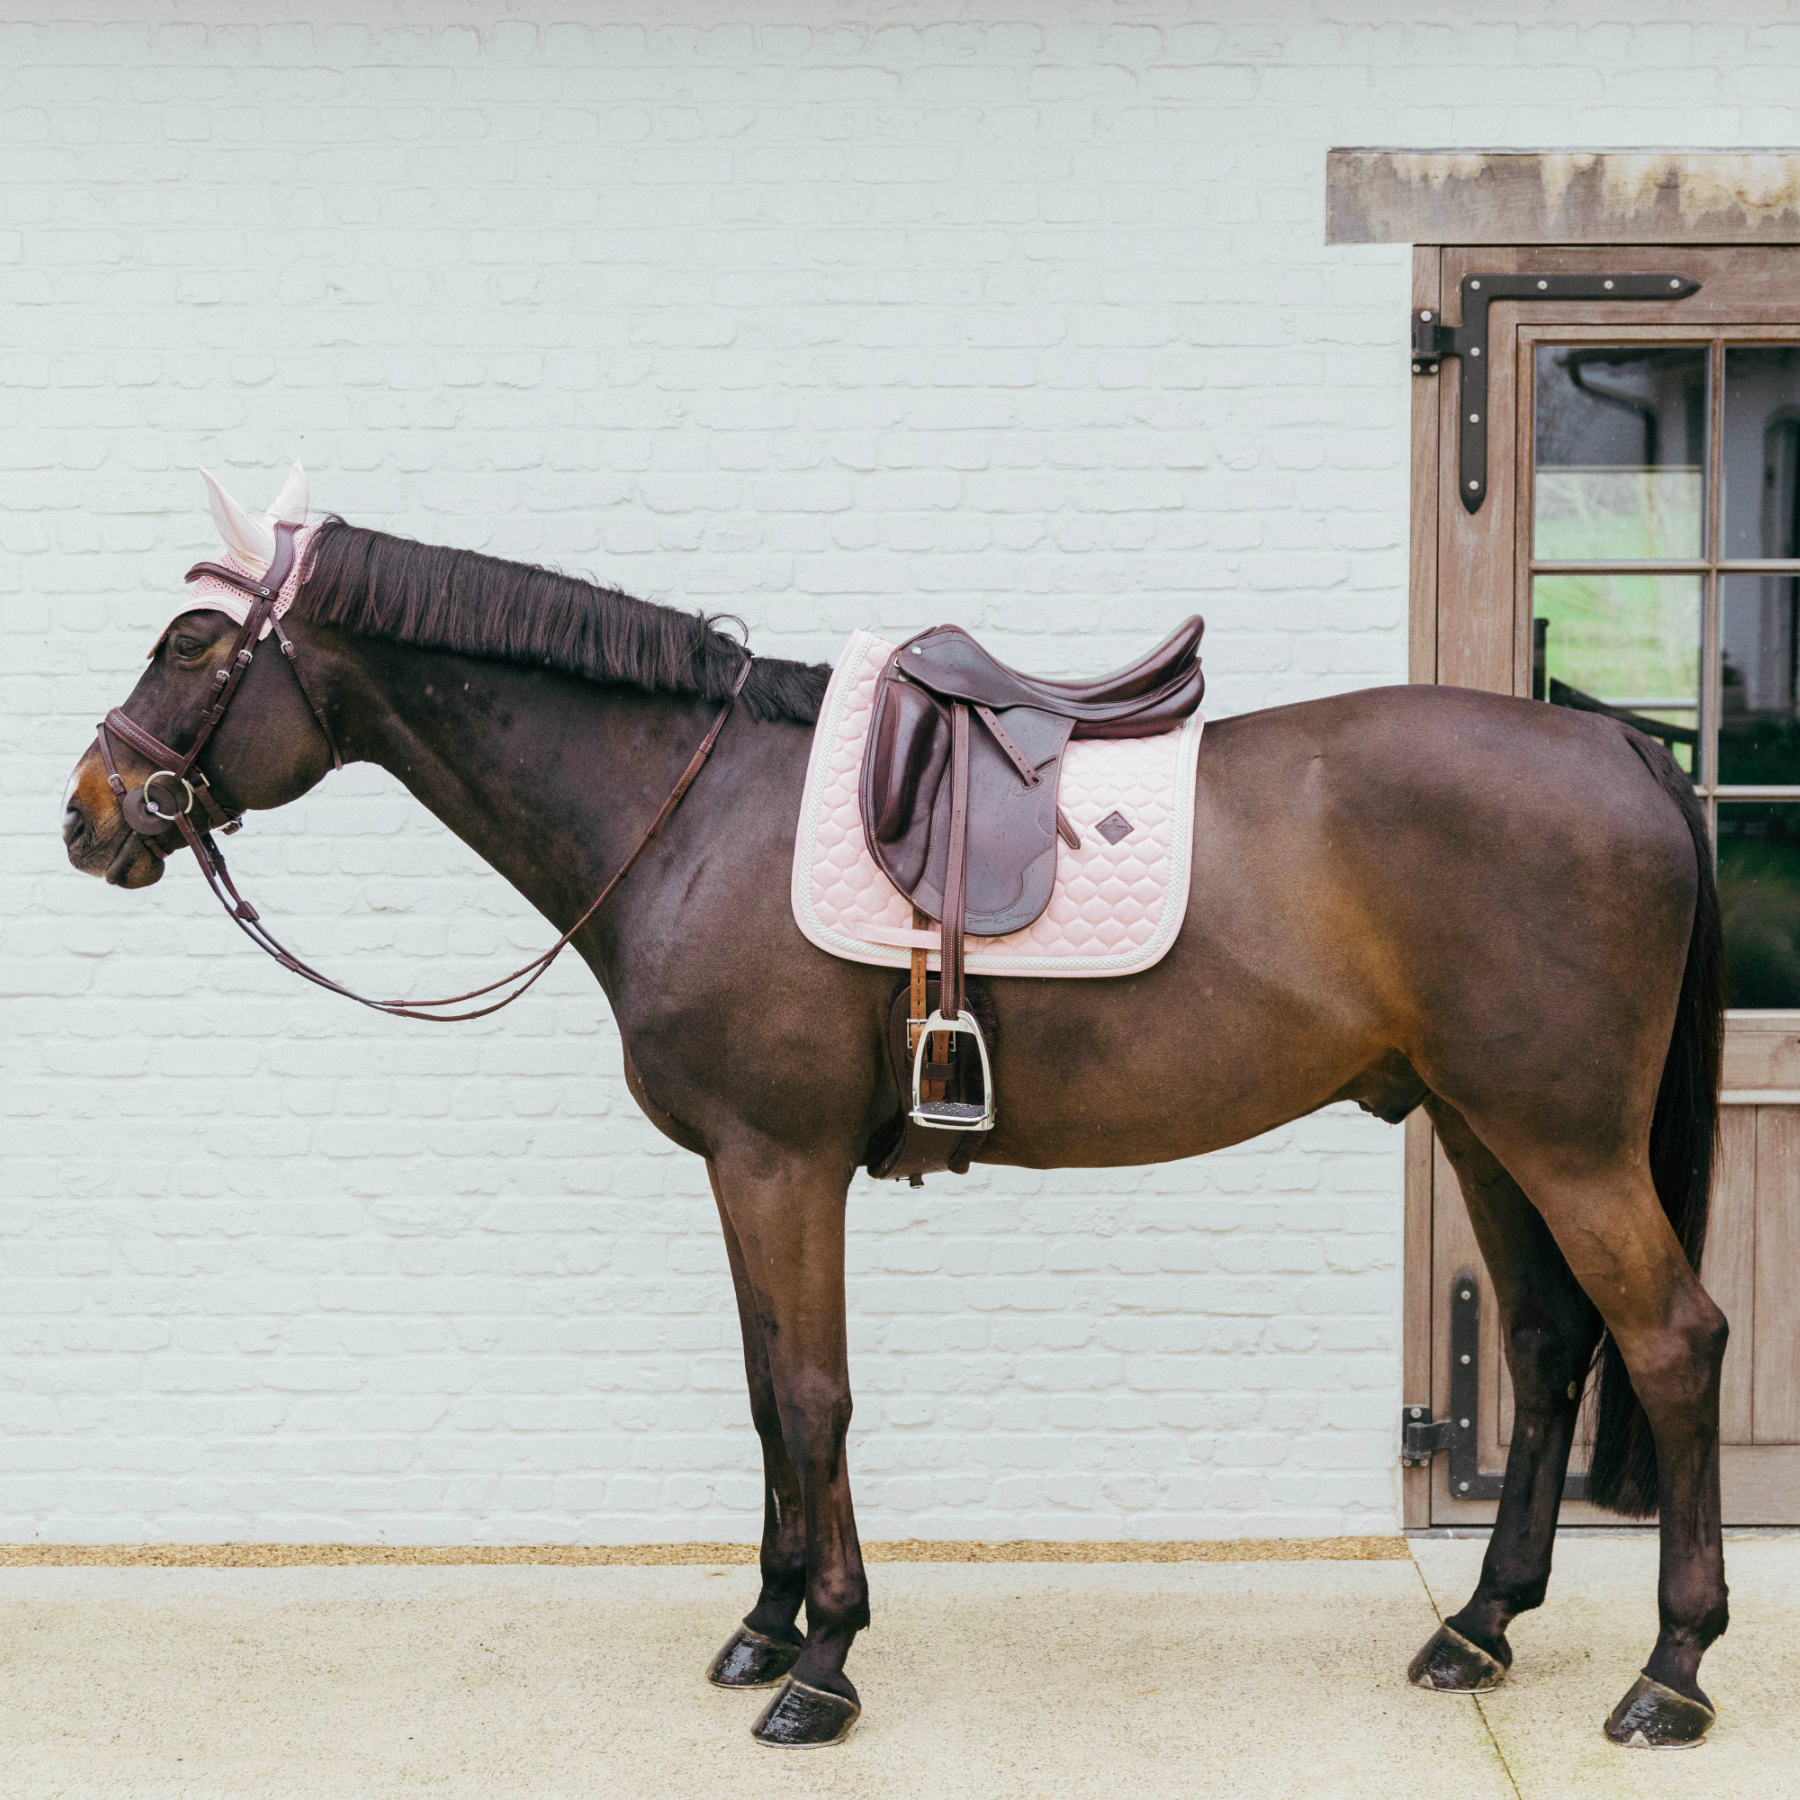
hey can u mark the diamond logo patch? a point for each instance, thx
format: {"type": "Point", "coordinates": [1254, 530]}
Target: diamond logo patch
{"type": "Point", "coordinates": [1114, 827]}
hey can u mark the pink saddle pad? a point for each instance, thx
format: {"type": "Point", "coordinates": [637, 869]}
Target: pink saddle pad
{"type": "Point", "coordinates": [1118, 901]}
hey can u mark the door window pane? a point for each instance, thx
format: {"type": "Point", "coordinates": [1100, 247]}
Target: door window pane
{"type": "Point", "coordinates": [1759, 724]}
{"type": "Point", "coordinates": [1762, 450]}
{"type": "Point", "coordinates": [1759, 895]}
{"type": "Point", "coordinates": [1620, 448]}
{"type": "Point", "coordinates": [1622, 644]}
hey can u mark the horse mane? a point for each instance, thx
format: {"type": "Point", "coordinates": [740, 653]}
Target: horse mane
{"type": "Point", "coordinates": [459, 600]}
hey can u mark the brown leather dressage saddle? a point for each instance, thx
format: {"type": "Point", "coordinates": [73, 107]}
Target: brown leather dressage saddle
{"type": "Point", "coordinates": [959, 805]}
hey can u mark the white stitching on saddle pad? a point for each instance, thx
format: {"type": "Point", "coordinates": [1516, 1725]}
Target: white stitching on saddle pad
{"type": "Point", "coordinates": [1116, 907]}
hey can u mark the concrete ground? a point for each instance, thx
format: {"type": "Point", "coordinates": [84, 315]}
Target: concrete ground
{"type": "Point", "coordinates": [986, 1681]}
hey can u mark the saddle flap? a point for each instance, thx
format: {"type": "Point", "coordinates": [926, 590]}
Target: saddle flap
{"type": "Point", "coordinates": [1011, 866]}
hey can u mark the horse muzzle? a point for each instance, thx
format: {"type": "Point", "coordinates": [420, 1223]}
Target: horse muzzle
{"type": "Point", "coordinates": [99, 837]}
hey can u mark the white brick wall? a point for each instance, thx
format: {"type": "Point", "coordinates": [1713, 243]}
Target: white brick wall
{"type": "Point", "coordinates": [826, 321]}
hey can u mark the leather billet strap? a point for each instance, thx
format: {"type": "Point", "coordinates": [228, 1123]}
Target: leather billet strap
{"type": "Point", "coordinates": [1029, 773]}
{"type": "Point", "coordinates": [950, 993]}
{"type": "Point", "coordinates": [218, 877]}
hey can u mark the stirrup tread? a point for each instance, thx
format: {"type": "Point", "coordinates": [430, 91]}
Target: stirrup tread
{"type": "Point", "coordinates": [952, 1115]}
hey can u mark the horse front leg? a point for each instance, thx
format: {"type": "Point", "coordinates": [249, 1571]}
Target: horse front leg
{"type": "Point", "coordinates": [768, 1643]}
{"type": "Point", "coordinates": [1549, 1328]}
{"type": "Point", "coordinates": [787, 1214]}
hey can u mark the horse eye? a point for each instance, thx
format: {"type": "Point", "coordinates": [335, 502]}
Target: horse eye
{"type": "Point", "coordinates": [186, 648]}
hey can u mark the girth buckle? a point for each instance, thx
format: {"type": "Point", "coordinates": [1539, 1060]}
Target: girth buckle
{"type": "Point", "coordinates": [952, 1115]}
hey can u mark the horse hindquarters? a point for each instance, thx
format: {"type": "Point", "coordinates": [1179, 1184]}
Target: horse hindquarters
{"type": "Point", "coordinates": [1601, 1105]}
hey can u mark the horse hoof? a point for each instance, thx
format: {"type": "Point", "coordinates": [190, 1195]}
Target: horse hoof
{"type": "Point", "coordinates": [1450, 1664]}
{"type": "Point", "coordinates": [805, 1718]}
{"type": "Point", "coordinates": [1654, 1717]}
{"type": "Point", "coordinates": [750, 1660]}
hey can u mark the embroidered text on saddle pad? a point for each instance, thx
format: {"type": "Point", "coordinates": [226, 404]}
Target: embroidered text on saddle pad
{"type": "Point", "coordinates": [1118, 901]}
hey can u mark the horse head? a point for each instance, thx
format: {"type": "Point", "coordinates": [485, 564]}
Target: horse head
{"type": "Point", "coordinates": [261, 750]}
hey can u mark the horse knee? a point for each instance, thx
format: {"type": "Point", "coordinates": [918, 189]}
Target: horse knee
{"type": "Point", "coordinates": [813, 1429]}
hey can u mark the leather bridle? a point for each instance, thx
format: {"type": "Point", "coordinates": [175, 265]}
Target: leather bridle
{"type": "Point", "coordinates": [183, 786]}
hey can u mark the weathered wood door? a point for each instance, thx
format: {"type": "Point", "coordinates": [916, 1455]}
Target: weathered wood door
{"type": "Point", "coordinates": [1637, 548]}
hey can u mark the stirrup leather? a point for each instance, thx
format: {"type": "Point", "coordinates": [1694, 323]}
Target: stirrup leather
{"type": "Point", "coordinates": [952, 1115]}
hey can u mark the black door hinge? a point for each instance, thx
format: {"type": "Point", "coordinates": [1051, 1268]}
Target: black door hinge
{"type": "Point", "coordinates": [1422, 1436]}
{"type": "Point", "coordinates": [1433, 340]}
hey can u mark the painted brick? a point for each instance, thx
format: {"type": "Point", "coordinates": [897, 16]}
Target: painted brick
{"type": "Point", "coordinates": [831, 319]}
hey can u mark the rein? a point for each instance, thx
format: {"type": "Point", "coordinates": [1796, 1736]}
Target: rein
{"type": "Point", "coordinates": [189, 787]}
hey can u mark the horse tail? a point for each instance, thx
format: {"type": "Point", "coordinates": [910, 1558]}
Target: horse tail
{"type": "Point", "coordinates": [1683, 1139]}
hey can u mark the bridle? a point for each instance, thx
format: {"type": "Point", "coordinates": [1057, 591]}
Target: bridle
{"type": "Point", "coordinates": [168, 798]}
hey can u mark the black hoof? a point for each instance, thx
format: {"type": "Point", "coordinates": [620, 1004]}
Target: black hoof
{"type": "Point", "coordinates": [1450, 1664]}
{"type": "Point", "coordinates": [750, 1660]}
{"type": "Point", "coordinates": [1654, 1717]}
{"type": "Point", "coordinates": [805, 1718]}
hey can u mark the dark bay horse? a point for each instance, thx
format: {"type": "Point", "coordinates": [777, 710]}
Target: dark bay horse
{"type": "Point", "coordinates": [1501, 911]}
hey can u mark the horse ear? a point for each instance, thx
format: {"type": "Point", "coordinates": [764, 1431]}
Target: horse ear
{"type": "Point", "coordinates": [289, 505]}
{"type": "Point", "coordinates": [248, 539]}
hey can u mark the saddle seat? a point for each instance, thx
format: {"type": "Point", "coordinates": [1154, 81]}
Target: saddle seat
{"type": "Point", "coordinates": [952, 664]}
{"type": "Point", "coordinates": [959, 807]}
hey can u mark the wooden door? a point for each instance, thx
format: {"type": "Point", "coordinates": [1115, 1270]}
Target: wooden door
{"type": "Point", "coordinates": [1637, 548]}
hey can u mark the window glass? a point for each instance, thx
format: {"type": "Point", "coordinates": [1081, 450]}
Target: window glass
{"type": "Point", "coordinates": [1622, 644]}
{"type": "Point", "coordinates": [1759, 724]}
{"type": "Point", "coordinates": [1759, 895]}
{"type": "Point", "coordinates": [1620, 452]}
{"type": "Point", "coordinates": [1761, 450]}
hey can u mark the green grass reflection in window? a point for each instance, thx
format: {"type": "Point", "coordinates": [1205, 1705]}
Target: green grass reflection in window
{"type": "Point", "coordinates": [1624, 644]}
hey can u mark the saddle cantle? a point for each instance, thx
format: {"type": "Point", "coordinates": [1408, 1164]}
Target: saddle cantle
{"type": "Point", "coordinates": [959, 806]}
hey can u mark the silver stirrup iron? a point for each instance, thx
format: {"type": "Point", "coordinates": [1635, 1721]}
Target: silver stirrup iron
{"type": "Point", "coordinates": [953, 1115]}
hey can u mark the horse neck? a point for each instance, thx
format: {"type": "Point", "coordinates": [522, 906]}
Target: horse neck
{"type": "Point", "coordinates": [550, 779]}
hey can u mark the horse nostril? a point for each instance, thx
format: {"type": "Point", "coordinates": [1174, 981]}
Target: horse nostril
{"type": "Point", "coordinates": [77, 826]}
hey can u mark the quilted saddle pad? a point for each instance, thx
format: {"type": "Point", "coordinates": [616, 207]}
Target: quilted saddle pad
{"type": "Point", "coordinates": [1118, 901]}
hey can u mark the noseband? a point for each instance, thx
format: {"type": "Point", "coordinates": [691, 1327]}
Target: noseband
{"type": "Point", "coordinates": [169, 797]}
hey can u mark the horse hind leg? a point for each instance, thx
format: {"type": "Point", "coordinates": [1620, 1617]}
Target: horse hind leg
{"type": "Point", "coordinates": [768, 1642]}
{"type": "Point", "coordinates": [1549, 1329]}
{"type": "Point", "coordinates": [1605, 1215]}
